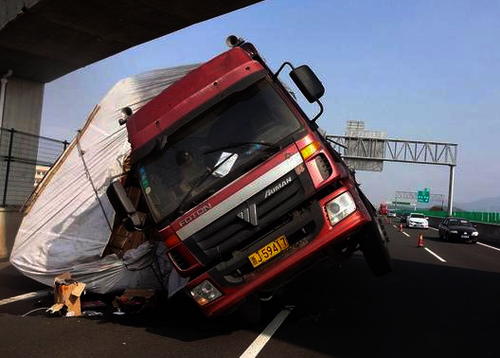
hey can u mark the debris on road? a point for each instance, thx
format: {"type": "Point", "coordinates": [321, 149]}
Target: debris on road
{"type": "Point", "coordinates": [135, 300]}
{"type": "Point", "coordinates": [67, 294]}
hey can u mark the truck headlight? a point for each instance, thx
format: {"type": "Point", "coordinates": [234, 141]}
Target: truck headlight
{"type": "Point", "coordinates": [474, 233]}
{"type": "Point", "coordinates": [340, 207]}
{"type": "Point", "coordinates": [205, 293]}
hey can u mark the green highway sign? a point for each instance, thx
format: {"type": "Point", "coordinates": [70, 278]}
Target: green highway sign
{"type": "Point", "coordinates": [423, 196]}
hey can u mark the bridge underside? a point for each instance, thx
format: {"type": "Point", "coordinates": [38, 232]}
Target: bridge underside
{"type": "Point", "coordinates": [42, 40]}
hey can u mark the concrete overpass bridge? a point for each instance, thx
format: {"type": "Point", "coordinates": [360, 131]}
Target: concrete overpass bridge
{"type": "Point", "coordinates": [42, 40]}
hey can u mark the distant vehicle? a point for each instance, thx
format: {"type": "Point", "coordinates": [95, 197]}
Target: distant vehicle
{"type": "Point", "coordinates": [391, 213]}
{"type": "Point", "coordinates": [456, 229]}
{"type": "Point", "coordinates": [415, 220]}
{"type": "Point", "coordinates": [382, 209]}
{"type": "Point", "coordinates": [403, 217]}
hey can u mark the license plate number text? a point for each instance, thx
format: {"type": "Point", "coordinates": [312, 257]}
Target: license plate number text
{"type": "Point", "coordinates": [269, 251]}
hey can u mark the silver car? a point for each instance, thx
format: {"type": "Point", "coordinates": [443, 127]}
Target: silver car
{"type": "Point", "coordinates": [415, 220]}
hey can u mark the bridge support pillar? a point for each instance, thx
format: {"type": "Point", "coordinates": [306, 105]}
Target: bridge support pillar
{"type": "Point", "coordinates": [451, 189]}
{"type": "Point", "coordinates": [21, 108]}
{"type": "Point", "coordinates": [10, 220]}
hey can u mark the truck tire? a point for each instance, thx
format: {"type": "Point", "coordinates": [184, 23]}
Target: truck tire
{"type": "Point", "coordinates": [373, 244]}
{"type": "Point", "coordinates": [251, 309]}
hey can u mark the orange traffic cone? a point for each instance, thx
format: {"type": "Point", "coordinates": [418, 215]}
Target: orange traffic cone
{"type": "Point", "coordinates": [400, 227]}
{"type": "Point", "coordinates": [420, 242]}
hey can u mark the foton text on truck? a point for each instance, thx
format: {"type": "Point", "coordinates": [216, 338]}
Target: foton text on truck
{"type": "Point", "coordinates": [240, 185]}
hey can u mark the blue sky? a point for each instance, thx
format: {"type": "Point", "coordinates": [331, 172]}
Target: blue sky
{"type": "Point", "coordinates": [421, 70]}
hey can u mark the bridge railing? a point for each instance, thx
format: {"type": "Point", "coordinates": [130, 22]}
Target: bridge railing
{"type": "Point", "coordinates": [24, 159]}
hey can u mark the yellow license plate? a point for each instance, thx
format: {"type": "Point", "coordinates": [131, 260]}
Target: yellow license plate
{"type": "Point", "coordinates": [269, 251]}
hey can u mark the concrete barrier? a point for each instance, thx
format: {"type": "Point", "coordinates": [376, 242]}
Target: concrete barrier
{"type": "Point", "coordinates": [488, 233]}
{"type": "Point", "coordinates": [10, 220]}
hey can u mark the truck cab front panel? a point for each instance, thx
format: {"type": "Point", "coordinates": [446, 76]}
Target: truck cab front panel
{"type": "Point", "coordinates": [239, 183]}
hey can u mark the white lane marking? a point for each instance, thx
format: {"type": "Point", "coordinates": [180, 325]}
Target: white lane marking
{"type": "Point", "coordinates": [435, 255]}
{"type": "Point", "coordinates": [488, 246]}
{"type": "Point", "coordinates": [405, 233]}
{"type": "Point", "coordinates": [26, 296]}
{"type": "Point", "coordinates": [266, 335]}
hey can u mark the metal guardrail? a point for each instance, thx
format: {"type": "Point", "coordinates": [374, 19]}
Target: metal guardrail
{"type": "Point", "coordinates": [24, 158]}
{"type": "Point", "coordinates": [476, 216]}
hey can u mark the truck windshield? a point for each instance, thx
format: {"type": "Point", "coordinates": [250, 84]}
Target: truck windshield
{"type": "Point", "coordinates": [215, 148]}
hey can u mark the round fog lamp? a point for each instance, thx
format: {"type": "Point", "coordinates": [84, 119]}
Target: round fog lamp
{"type": "Point", "coordinates": [205, 293]}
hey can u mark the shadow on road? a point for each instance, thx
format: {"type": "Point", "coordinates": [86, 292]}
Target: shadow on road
{"type": "Point", "coordinates": [422, 309]}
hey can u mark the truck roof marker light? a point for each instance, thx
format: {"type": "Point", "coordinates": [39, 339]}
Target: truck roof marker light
{"type": "Point", "coordinates": [125, 113]}
{"type": "Point", "coordinates": [310, 149]}
{"type": "Point", "coordinates": [233, 41]}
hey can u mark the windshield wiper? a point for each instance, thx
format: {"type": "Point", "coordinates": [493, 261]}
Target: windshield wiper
{"type": "Point", "coordinates": [239, 144]}
{"type": "Point", "coordinates": [200, 181]}
{"type": "Point", "coordinates": [208, 173]}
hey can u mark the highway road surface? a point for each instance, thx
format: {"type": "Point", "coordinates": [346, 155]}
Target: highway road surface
{"type": "Point", "coordinates": [442, 300]}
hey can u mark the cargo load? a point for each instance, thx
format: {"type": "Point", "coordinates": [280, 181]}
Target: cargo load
{"type": "Point", "coordinates": [69, 224]}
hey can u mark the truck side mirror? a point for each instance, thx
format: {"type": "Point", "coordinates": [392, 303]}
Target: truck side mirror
{"type": "Point", "coordinates": [308, 83]}
{"type": "Point", "coordinates": [123, 206]}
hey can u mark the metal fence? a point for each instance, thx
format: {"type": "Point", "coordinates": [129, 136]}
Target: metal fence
{"type": "Point", "coordinates": [25, 158]}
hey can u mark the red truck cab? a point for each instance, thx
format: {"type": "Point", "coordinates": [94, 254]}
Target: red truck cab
{"type": "Point", "coordinates": [240, 185]}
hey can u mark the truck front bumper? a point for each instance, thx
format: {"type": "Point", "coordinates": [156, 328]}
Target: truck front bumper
{"type": "Point", "coordinates": [228, 285]}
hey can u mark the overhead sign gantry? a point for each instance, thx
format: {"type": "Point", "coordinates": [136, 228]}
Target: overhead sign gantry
{"type": "Point", "coordinates": [399, 150]}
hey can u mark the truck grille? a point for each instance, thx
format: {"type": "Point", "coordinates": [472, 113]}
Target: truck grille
{"type": "Point", "coordinates": [250, 221]}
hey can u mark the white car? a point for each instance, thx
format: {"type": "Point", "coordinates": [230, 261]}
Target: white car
{"type": "Point", "coordinates": [391, 214]}
{"type": "Point", "coordinates": [415, 220]}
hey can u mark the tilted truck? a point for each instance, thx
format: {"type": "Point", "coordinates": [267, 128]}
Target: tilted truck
{"type": "Point", "coordinates": [239, 183]}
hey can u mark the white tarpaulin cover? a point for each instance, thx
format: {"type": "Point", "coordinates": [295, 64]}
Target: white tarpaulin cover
{"type": "Point", "coordinates": [69, 218]}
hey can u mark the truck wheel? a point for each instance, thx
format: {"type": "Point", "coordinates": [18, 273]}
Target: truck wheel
{"type": "Point", "coordinates": [373, 244]}
{"type": "Point", "coordinates": [250, 309]}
